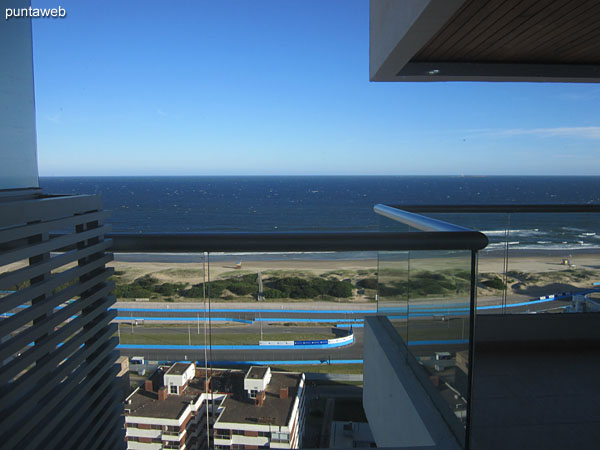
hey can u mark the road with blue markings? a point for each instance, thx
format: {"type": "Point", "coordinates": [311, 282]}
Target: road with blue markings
{"type": "Point", "coordinates": [307, 315]}
{"type": "Point", "coordinates": [280, 314]}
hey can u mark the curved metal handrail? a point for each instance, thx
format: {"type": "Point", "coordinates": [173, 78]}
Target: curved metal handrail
{"type": "Point", "coordinates": [505, 208]}
{"type": "Point", "coordinates": [296, 241]}
{"type": "Point", "coordinates": [417, 221]}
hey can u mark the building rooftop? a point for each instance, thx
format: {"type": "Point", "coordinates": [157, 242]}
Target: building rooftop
{"type": "Point", "coordinates": [238, 408]}
{"type": "Point", "coordinates": [257, 373]}
{"type": "Point", "coordinates": [274, 411]}
{"type": "Point", "coordinates": [178, 369]}
{"type": "Point", "coordinates": [146, 404]}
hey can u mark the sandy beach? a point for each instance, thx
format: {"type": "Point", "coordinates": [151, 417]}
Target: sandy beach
{"type": "Point", "coordinates": [551, 275]}
{"type": "Point", "coordinates": [192, 272]}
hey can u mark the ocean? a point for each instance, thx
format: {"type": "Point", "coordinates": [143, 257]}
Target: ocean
{"type": "Point", "coordinates": [341, 203]}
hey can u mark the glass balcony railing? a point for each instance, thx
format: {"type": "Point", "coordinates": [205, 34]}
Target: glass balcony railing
{"type": "Point", "coordinates": [301, 299]}
{"type": "Point", "coordinates": [285, 299]}
{"type": "Point", "coordinates": [430, 298]}
{"type": "Point", "coordinates": [257, 306]}
{"type": "Point", "coordinates": [541, 258]}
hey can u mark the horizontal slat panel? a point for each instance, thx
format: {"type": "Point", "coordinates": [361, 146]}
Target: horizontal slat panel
{"type": "Point", "coordinates": [10, 279]}
{"type": "Point", "coordinates": [25, 231]}
{"type": "Point", "coordinates": [27, 294]}
{"type": "Point", "coordinates": [36, 408]}
{"type": "Point", "coordinates": [48, 324]}
{"type": "Point", "coordinates": [62, 411]}
{"type": "Point", "coordinates": [51, 245]}
{"type": "Point", "coordinates": [115, 440]}
{"type": "Point", "coordinates": [26, 315]}
{"type": "Point", "coordinates": [114, 436]}
{"type": "Point", "coordinates": [11, 369]}
{"type": "Point", "coordinates": [47, 208]}
{"type": "Point", "coordinates": [59, 374]}
{"type": "Point", "coordinates": [49, 369]}
{"type": "Point", "coordinates": [67, 411]}
{"type": "Point", "coordinates": [93, 427]}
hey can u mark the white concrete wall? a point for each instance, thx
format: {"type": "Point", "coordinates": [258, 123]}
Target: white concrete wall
{"type": "Point", "coordinates": [155, 420]}
{"type": "Point", "coordinates": [18, 147]}
{"type": "Point", "coordinates": [399, 411]}
{"type": "Point", "coordinates": [179, 380]}
{"type": "Point", "coordinates": [142, 446]}
{"type": "Point", "coordinates": [258, 384]}
{"type": "Point", "coordinates": [138, 432]}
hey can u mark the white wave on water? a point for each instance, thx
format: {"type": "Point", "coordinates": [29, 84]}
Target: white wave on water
{"type": "Point", "coordinates": [573, 229]}
{"type": "Point", "coordinates": [564, 246]}
{"type": "Point", "coordinates": [523, 233]}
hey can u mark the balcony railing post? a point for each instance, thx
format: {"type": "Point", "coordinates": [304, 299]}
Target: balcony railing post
{"type": "Point", "coordinates": [472, 324]}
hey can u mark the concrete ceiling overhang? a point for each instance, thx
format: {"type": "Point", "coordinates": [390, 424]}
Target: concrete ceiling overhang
{"type": "Point", "coordinates": [485, 40]}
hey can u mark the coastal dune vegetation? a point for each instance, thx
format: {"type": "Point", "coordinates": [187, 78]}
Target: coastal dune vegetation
{"type": "Point", "coordinates": [282, 286]}
{"type": "Point", "coordinates": [186, 284]}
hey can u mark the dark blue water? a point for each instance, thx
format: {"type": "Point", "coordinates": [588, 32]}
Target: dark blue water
{"type": "Point", "coordinates": [187, 204]}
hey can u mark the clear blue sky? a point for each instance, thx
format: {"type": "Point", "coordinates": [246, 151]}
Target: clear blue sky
{"type": "Point", "coordinates": [278, 87]}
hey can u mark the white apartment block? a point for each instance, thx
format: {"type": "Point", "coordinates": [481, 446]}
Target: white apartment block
{"type": "Point", "coordinates": [259, 409]}
{"type": "Point", "coordinates": [268, 413]}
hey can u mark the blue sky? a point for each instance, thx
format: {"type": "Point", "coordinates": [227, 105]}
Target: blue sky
{"type": "Point", "coordinates": [278, 87]}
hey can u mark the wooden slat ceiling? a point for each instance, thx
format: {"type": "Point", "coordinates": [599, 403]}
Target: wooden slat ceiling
{"type": "Point", "coordinates": [518, 31]}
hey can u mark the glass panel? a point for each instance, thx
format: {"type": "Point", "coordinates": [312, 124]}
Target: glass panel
{"type": "Point", "coordinates": [253, 298]}
{"type": "Point", "coordinates": [294, 312]}
{"type": "Point", "coordinates": [438, 325]}
{"type": "Point", "coordinates": [392, 289]}
{"type": "Point", "coordinates": [553, 262]}
{"type": "Point", "coordinates": [491, 281]}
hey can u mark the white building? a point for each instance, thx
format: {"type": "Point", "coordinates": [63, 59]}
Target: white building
{"type": "Point", "coordinates": [259, 409]}
{"type": "Point", "coordinates": [267, 413]}
{"type": "Point", "coordinates": [169, 411]}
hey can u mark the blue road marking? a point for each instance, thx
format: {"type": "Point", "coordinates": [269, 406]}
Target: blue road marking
{"type": "Point", "coordinates": [227, 347]}
{"type": "Point", "coordinates": [282, 363]}
{"type": "Point", "coordinates": [295, 319]}
{"type": "Point", "coordinates": [298, 311]}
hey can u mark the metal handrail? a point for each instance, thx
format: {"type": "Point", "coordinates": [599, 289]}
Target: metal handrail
{"type": "Point", "coordinates": [505, 208]}
{"type": "Point", "coordinates": [417, 221]}
{"type": "Point", "coordinates": [296, 241]}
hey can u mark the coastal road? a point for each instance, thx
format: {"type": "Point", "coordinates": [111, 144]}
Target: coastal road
{"type": "Point", "coordinates": [292, 312]}
{"type": "Point", "coordinates": [353, 351]}
{"type": "Point", "coordinates": [328, 311]}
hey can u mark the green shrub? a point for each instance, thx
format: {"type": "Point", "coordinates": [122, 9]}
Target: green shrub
{"type": "Point", "coordinates": [273, 293]}
{"type": "Point", "coordinates": [367, 283]}
{"type": "Point", "coordinates": [147, 281]}
{"type": "Point", "coordinates": [294, 287]}
{"type": "Point", "coordinates": [131, 291]}
{"type": "Point", "coordinates": [168, 288]}
{"type": "Point", "coordinates": [494, 283]}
